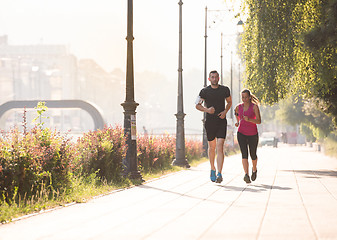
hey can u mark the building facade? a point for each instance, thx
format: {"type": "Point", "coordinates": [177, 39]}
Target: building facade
{"type": "Point", "coordinates": [50, 72]}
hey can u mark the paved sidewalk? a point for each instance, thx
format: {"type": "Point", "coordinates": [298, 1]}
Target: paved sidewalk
{"type": "Point", "coordinates": [294, 197]}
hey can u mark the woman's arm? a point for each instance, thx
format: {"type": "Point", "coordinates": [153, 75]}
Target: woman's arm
{"type": "Point", "coordinates": [236, 111]}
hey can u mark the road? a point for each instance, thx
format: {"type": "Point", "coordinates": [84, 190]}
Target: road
{"type": "Point", "coordinates": [294, 197]}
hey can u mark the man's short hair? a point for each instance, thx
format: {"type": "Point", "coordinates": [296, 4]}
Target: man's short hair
{"type": "Point", "coordinates": [214, 71]}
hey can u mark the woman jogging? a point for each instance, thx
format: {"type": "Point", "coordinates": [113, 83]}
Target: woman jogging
{"type": "Point", "coordinates": [247, 116]}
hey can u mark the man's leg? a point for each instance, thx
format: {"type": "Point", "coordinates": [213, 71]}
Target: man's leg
{"type": "Point", "coordinates": [220, 153]}
{"type": "Point", "coordinates": [211, 153]}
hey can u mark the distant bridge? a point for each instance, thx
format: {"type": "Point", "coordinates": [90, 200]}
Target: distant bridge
{"type": "Point", "coordinates": [172, 130]}
{"type": "Point", "coordinates": [61, 104]}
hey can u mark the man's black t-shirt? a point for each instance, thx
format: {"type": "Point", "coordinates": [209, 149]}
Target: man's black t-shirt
{"type": "Point", "coordinates": [215, 97]}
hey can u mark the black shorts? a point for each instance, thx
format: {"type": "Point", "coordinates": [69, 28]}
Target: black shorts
{"type": "Point", "coordinates": [216, 128]}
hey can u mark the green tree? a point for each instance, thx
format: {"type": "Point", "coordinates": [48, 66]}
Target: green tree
{"type": "Point", "coordinates": [289, 46]}
{"type": "Point", "coordinates": [314, 124]}
{"type": "Point", "coordinates": [291, 111]}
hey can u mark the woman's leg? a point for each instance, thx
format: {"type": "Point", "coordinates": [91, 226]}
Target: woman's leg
{"type": "Point", "coordinates": [243, 143]}
{"type": "Point", "coordinates": [253, 143]}
{"type": "Point", "coordinates": [254, 162]}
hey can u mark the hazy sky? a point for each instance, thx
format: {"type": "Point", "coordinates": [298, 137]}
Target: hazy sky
{"type": "Point", "coordinates": [97, 29]}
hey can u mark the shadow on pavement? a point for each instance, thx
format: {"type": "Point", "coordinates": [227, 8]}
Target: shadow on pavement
{"type": "Point", "coordinates": [254, 188]}
{"type": "Point", "coordinates": [315, 173]}
{"type": "Point", "coordinates": [177, 193]}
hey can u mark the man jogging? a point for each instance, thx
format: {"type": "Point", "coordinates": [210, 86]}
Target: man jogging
{"type": "Point", "coordinates": [214, 98]}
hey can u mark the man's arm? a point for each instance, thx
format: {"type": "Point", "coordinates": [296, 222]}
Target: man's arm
{"type": "Point", "coordinates": [229, 103]}
{"type": "Point", "coordinates": [200, 107]}
{"type": "Point", "coordinates": [222, 115]}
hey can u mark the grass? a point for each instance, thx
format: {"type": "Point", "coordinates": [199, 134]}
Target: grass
{"type": "Point", "coordinates": [83, 190]}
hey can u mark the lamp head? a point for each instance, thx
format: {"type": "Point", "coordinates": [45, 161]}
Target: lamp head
{"type": "Point", "coordinates": [240, 26]}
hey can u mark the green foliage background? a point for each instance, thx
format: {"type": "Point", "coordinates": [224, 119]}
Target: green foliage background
{"type": "Point", "coordinates": [289, 48]}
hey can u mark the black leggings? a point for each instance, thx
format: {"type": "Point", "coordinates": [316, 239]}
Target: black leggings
{"type": "Point", "coordinates": [245, 141]}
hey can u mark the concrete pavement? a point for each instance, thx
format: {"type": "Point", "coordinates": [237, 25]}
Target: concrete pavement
{"type": "Point", "coordinates": [294, 197]}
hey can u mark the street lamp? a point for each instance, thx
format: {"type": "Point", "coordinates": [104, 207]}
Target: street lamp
{"type": "Point", "coordinates": [180, 159]}
{"type": "Point", "coordinates": [204, 138]}
{"type": "Point", "coordinates": [221, 57]}
{"type": "Point", "coordinates": [232, 85]}
{"type": "Point", "coordinates": [130, 161]}
{"type": "Point", "coordinates": [239, 81]}
{"type": "Point", "coordinates": [239, 30]}
{"type": "Point", "coordinates": [240, 26]}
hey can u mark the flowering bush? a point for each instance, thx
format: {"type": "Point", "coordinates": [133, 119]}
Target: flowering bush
{"type": "Point", "coordinates": [41, 158]}
{"type": "Point", "coordinates": [155, 152]}
{"type": "Point", "coordinates": [102, 151]}
{"type": "Point", "coordinates": [193, 149]}
{"type": "Point", "coordinates": [31, 160]}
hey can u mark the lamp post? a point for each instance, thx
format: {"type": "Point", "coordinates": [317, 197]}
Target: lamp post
{"type": "Point", "coordinates": [232, 85]}
{"type": "Point", "coordinates": [239, 82]}
{"type": "Point", "coordinates": [221, 57]}
{"type": "Point", "coordinates": [240, 25]}
{"type": "Point", "coordinates": [239, 30]}
{"type": "Point", "coordinates": [130, 161]}
{"type": "Point", "coordinates": [204, 136]}
{"type": "Point", "coordinates": [180, 159]}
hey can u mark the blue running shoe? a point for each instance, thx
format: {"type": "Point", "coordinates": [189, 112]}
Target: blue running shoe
{"type": "Point", "coordinates": [213, 177]}
{"type": "Point", "coordinates": [219, 178]}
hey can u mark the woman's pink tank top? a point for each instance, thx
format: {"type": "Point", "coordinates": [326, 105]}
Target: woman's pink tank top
{"type": "Point", "coordinates": [247, 128]}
